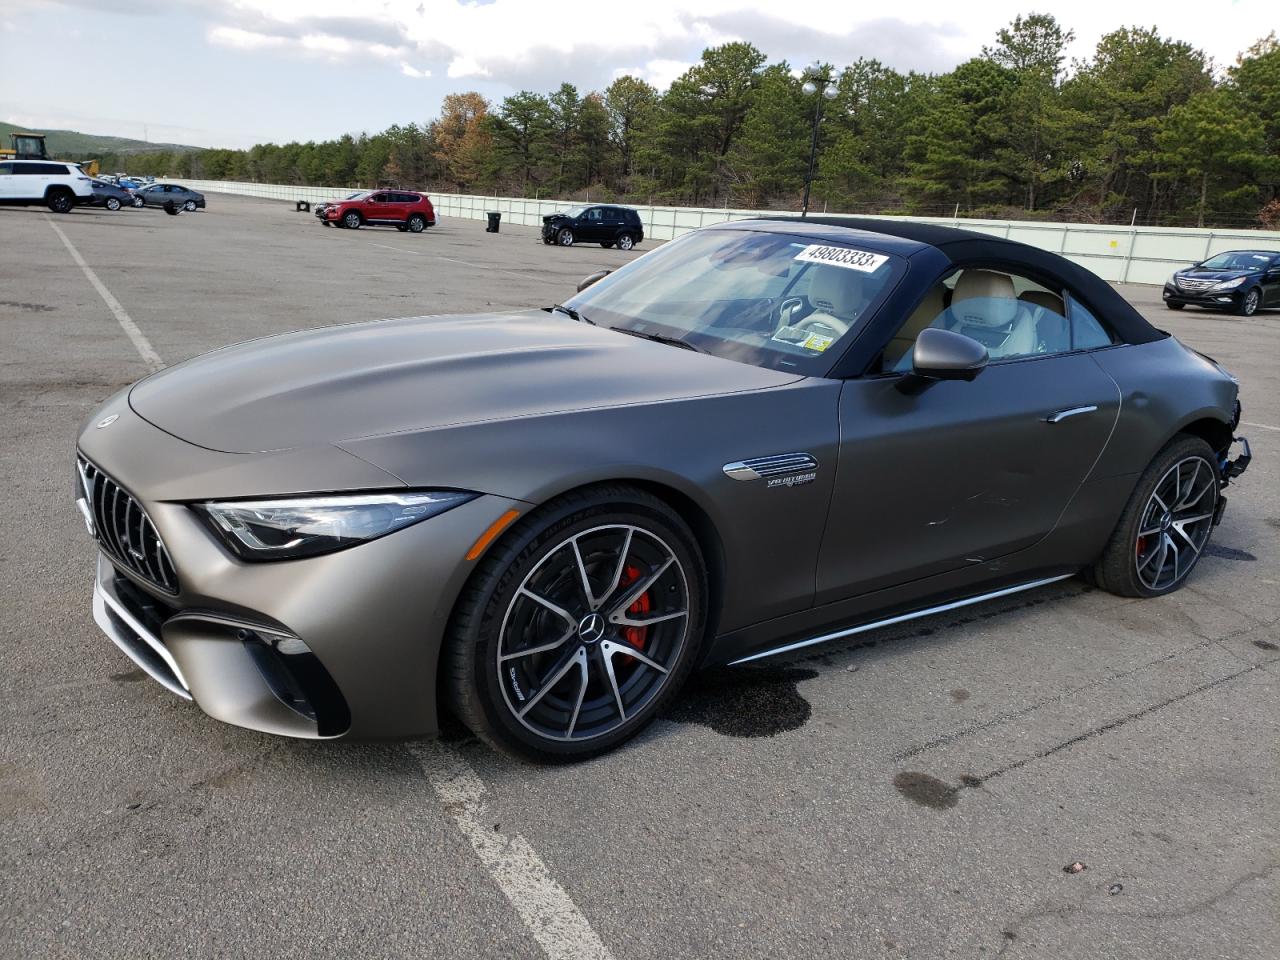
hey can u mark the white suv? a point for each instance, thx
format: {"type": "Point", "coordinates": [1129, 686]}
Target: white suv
{"type": "Point", "coordinates": [58, 185]}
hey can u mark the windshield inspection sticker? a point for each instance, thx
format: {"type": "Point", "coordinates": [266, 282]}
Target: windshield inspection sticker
{"type": "Point", "coordinates": [860, 260]}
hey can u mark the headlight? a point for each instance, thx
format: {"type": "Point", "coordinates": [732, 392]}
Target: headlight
{"type": "Point", "coordinates": [286, 529]}
{"type": "Point", "coordinates": [1229, 284]}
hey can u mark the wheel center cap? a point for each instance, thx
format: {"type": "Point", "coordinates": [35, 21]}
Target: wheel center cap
{"type": "Point", "coordinates": [1166, 522]}
{"type": "Point", "coordinates": [591, 628]}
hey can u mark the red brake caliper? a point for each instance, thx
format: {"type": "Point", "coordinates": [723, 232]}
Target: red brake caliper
{"type": "Point", "coordinates": [636, 635]}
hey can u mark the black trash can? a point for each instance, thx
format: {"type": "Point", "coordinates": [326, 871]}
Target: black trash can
{"type": "Point", "coordinates": [303, 207]}
{"type": "Point", "coordinates": [495, 218]}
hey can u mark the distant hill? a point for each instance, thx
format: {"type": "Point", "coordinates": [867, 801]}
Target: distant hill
{"type": "Point", "coordinates": [72, 143]}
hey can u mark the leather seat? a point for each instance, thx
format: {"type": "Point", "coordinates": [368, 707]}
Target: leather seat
{"type": "Point", "coordinates": [897, 355]}
{"type": "Point", "coordinates": [837, 296]}
{"type": "Point", "coordinates": [985, 307]}
{"type": "Point", "coordinates": [1053, 334]}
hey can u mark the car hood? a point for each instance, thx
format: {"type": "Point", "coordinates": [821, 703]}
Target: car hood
{"type": "Point", "coordinates": [1195, 273]}
{"type": "Point", "coordinates": [393, 376]}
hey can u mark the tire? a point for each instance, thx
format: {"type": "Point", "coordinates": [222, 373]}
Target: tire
{"type": "Point", "coordinates": [138, 203]}
{"type": "Point", "coordinates": [548, 241]}
{"type": "Point", "coordinates": [530, 588]}
{"type": "Point", "coordinates": [607, 244]}
{"type": "Point", "coordinates": [326, 223]}
{"type": "Point", "coordinates": [1175, 306]}
{"type": "Point", "coordinates": [565, 237]}
{"type": "Point", "coordinates": [351, 220]}
{"type": "Point", "coordinates": [417, 223]}
{"type": "Point", "coordinates": [112, 204]}
{"type": "Point", "coordinates": [61, 201]}
{"type": "Point", "coordinates": [189, 206]}
{"type": "Point", "coordinates": [626, 241]}
{"type": "Point", "coordinates": [1157, 543]}
{"type": "Point", "coordinates": [1249, 303]}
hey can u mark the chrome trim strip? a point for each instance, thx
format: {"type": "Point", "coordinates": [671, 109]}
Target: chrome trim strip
{"type": "Point", "coordinates": [102, 599]}
{"type": "Point", "coordinates": [902, 618]}
{"type": "Point", "coordinates": [1072, 412]}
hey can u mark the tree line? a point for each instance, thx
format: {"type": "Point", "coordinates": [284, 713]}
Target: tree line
{"type": "Point", "coordinates": [1147, 126]}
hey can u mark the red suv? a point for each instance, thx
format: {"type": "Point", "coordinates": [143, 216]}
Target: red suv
{"type": "Point", "coordinates": [396, 208]}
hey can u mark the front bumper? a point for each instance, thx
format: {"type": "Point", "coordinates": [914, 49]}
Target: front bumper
{"type": "Point", "coordinates": [343, 644]}
{"type": "Point", "coordinates": [1219, 299]}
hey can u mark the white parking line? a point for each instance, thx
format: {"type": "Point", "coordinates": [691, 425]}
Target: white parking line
{"type": "Point", "coordinates": [1260, 426]}
{"type": "Point", "coordinates": [553, 919]}
{"type": "Point", "coordinates": [140, 341]}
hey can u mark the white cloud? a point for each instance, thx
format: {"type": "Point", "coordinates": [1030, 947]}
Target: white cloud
{"type": "Point", "coordinates": [461, 68]}
{"type": "Point", "coordinates": [243, 39]}
{"type": "Point", "coordinates": [411, 71]}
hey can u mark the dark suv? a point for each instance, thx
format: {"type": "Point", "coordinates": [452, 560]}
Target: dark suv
{"type": "Point", "coordinates": [1241, 281]}
{"type": "Point", "coordinates": [606, 225]}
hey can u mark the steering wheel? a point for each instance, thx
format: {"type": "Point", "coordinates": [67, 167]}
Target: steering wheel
{"type": "Point", "coordinates": [839, 327]}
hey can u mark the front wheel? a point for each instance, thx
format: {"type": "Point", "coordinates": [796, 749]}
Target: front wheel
{"type": "Point", "coordinates": [112, 204]}
{"type": "Point", "coordinates": [1165, 525]}
{"type": "Point", "coordinates": [139, 203]}
{"type": "Point", "coordinates": [189, 206]}
{"type": "Point", "coordinates": [1174, 306]}
{"type": "Point", "coordinates": [1249, 303]}
{"type": "Point", "coordinates": [578, 627]}
{"type": "Point", "coordinates": [351, 221]}
{"type": "Point", "coordinates": [565, 237]}
{"type": "Point", "coordinates": [626, 241]}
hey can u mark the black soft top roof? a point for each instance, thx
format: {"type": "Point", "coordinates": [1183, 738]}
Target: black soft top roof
{"type": "Point", "coordinates": [963, 247]}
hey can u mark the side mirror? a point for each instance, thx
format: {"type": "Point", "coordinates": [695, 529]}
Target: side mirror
{"type": "Point", "coordinates": [595, 277]}
{"type": "Point", "coordinates": [946, 355]}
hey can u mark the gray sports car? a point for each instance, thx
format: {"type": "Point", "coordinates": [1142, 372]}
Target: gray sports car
{"type": "Point", "coordinates": [761, 436]}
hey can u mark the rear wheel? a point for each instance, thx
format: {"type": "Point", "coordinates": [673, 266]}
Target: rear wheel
{"type": "Point", "coordinates": [1166, 524]}
{"type": "Point", "coordinates": [578, 627]}
{"type": "Point", "coordinates": [61, 201]}
{"type": "Point", "coordinates": [626, 241]}
{"type": "Point", "coordinates": [1249, 303]}
{"type": "Point", "coordinates": [351, 220]}
{"type": "Point", "coordinates": [565, 237]}
{"type": "Point", "coordinates": [417, 223]}
{"type": "Point", "coordinates": [112, 204]}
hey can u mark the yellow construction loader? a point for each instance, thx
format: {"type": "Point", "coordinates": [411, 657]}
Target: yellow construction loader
{"type": "Point", "coordinates": [30, 146]}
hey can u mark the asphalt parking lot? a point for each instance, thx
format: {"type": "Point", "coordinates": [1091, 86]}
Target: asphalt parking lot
{"type": "Point", "coordinates": [912, 792]}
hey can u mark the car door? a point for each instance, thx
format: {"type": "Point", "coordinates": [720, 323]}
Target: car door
{"type": "Point", "coordinates": [1271, 283]}
{"type": "Point", "coordinates": [380, 208]}
{"type": "Point", "coordinates": [590, 227]}
{"type": "Point", "coordinates": [934, 476]}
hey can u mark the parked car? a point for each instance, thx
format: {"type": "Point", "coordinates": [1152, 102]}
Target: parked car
{"type": "Point", "coordinates": [606, 225]}
{"type": "Point", "coordinates": [59, 186]}
{"type": "Point", "coordinates": [402, 209]}
{"type": "Point", "coordinates": [158, 194]}
{"type": "Point", "coordinates": [311, 534]}
{"type": "Point", "coordinates": [1242, 281]}
{"type": "Point", "coordinates": [110, 195]}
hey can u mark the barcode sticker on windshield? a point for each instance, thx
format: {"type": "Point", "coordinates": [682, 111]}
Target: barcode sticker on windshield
{"type": "Point", "coordinates": [842, 257]}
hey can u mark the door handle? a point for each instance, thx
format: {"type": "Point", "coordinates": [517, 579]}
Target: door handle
{"type": "Point", "coordinates": [1070, 412]}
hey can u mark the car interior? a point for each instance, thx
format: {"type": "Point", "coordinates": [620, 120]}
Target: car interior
{"type": "Point", "coordinates": [1011, 315]}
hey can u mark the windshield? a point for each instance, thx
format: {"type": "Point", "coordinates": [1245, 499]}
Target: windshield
{"type": "Point", "coordinates": [1238, 260]}
{"type": "Point", "coordinates": [358, 195]}
{"type": "Point", "coordinates": [574, 212]}
{"type": "Point", "coordinates": [769, 299]}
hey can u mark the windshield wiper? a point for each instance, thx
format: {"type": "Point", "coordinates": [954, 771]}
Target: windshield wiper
{"type": "Point", "coordinates": [572, 313]}
{"type": "Point", "coordinates": [659, 338]}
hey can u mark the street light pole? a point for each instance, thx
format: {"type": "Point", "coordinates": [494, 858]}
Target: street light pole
{"type": "Point", "coordinates": [817, 80]}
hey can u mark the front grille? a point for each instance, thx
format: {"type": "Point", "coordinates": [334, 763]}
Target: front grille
{"type": "Point", "coordinates": [1195, 285]}
{"type": "Point", "coordinates": [123, 529]}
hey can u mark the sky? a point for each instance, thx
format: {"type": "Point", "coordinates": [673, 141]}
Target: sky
{"type": "Point", "coordinates": [237, 72]}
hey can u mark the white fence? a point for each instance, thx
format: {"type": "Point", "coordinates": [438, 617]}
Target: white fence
{"type": "Point", "coordinates": [1117, 253]}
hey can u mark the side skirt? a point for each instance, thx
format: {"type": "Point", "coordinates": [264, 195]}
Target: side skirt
{"type": "Point", "coordinates": [901, 618]}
